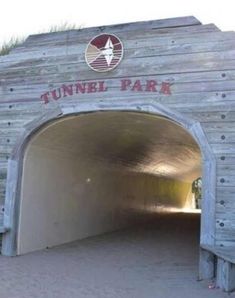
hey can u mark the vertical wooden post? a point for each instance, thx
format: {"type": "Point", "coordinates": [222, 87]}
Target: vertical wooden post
{"type": "Point", "coordinates": [10, 214]}
{"type": "Point", "coordinates": [206, 264]}
{"type": "Point", "coordinates": [225, 277]}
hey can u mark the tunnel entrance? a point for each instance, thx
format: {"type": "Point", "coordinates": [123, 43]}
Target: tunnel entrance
{"type": "Point", "coordinates": [88, 174]}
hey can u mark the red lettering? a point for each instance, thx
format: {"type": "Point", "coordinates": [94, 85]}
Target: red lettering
{"type": "Point", "coordinates": [56, 94]}
{"type": "Point", "coordinates": [80, 87]}
{"type": "Point", "coordinates": [67, 90]}
{"type": "Point", "coordinates": [102, 87]}
{"type": "Point", "coordinates": [125, 84]}
{"type": "Point", "coordinates": [45, 97]}
{"type": "Point", "coordinates": [137, 86]}
{"type": "Point", "coordinates": [151, 86]}
{"type": "Point", "coordinates": [165, 88]}
{"type": "Point", "coordinates": [91, 87]}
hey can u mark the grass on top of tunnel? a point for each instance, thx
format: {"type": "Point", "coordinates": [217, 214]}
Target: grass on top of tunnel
{"type": "Point", "coordinates": [15, 42]}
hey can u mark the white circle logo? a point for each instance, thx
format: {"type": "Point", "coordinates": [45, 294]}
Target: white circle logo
{"type": "Point", "coordinates": [104, 52]}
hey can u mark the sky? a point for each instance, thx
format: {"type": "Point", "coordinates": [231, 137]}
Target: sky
{"type": "Point", "coordinates": [20, 18]}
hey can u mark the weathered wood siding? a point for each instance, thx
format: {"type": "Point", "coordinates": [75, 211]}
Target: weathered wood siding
{"type": "Point", "coordinates": [198, 61]}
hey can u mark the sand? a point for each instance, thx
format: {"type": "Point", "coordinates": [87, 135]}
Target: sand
{"type": "Point", "coordinates": [157, 259]}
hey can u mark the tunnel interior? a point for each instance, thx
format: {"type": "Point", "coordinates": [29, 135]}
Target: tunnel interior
{"type": "Point", "coordinates": [93, 173]}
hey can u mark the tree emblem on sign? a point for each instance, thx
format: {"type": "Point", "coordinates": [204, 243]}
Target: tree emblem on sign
{"type": "Point", "coordinates": [104, 52]}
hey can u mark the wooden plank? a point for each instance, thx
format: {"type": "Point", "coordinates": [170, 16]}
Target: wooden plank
{"type": "Point", "coordinates": [3, 173]}
{"type": "Point", "coordinates": [184, 100]}
{"type": "Point", "coordinates": [81, 37]}
{"type": "Point", "coordinates": [224, 149]}
{"type": "Point", "coordinates": [225, 235]}
{"type": "Point", "coordinates": [220, 137]}
{"type": "Point", "coordinates": [226, 192]}
{"type": "Point", "coordinates": [177, 85]}
{"type": "Point", "coordinates": [225, 243]}
{"type": "Point", "coordinates": [7, 123]}
{"type": "Point", "coordinates": [206, 264]}
{"type": "Point", "coordinates": [225, 278]}
{"type": "Point", "coordinates": [22, 109]}
{"type": "Point", "coordinates": [224, 226]}
{"type": "Point", "coordinates": [188, 102]}
{"type": "Point", "coordinates": [225, 159]}
{"type": "Point", "coordinates": [9, 239]}
{"type": "Point", "coordinates": [154, 24]}
{"type": "Point", "coordinates": [2, 228]}
{"type": "Point", "coordinates": [135, 46]}
{"type": "Point", "coordinates": [207, 99]}
{"type": "Point", "coordinates": [25, 51]}
{"type": "Point", "coordinates": [77, 34]}
{"type": "Point", "coordinates": [225, 180]}
{"type": "Point", "coordinates": [230, 215]}
{"type": "Point", "coordinates": [221, 127]}
{"type": "Point", "coordinates": [1, 216]}
{"type": "Point", "coordinates": [205, 77]}
{"type": "Point", "coordinates": [228, 169]}
{"type": "Point", "coordinates": [226, 253]}
{"type": "Point", "coordinates": [147, 65]}
{"type": "Point", "coordinates": [33, 94]}
{"type": "Point", "coordinates": [201, 101]}
{"type": "Point", "coordinates": [222, 115]}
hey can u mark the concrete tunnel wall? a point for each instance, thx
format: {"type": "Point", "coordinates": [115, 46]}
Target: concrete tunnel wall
{"type": "Point", "coordinates": [90, 174]}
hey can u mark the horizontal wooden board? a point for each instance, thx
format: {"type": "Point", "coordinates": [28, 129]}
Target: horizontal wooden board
{"type": "Point", "coordinates": [29, 50]}
{"type": "Point", "coordinates": [203, 100]}
{"type": "Point", "coordinates": [225, 159]}
{"type": "Point", "coordinates": [148, 44]}
{"type": "Point", "coordinates": [144, 25]}
{"type": "Point", "coordinates": [213, 92]}
{"type": "Point", "coordinates": [10, 86]}
{"type": "Point", "coordinates": [224, 243]}
{"type": "Point", "coordinates": [222, 115]}
{"type": "Point", "coordinates": [180, 83]}
{"type": "Point", "coordinates": [221, 137]}
{"type": "Point", "coordinates": [226, 181]}
{"type": "Point", "coordinates": [220, 127]}
{"type": "Point", "coordinates": [194, 62]}
{"type": "Point", "coordinates": [79, 35]}
{"type": "Point", "coordinates": [225, 191]}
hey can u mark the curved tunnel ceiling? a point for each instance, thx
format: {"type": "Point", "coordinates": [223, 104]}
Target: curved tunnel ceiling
{"type": "Point", "coordinates": [130, 141]}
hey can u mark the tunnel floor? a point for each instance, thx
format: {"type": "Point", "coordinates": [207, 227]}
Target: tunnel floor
{"type": "Point", "coordinates": [158, 258]}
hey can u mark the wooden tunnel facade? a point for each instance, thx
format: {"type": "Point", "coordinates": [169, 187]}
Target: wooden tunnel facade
{"type": "Point", "coordinates": [175, 69]}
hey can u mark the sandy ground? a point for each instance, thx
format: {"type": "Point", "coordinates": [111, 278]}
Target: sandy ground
{"type": "Point", "coordinates": [157, 259]}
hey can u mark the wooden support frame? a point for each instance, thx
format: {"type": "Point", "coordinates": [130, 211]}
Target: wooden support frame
{"type": "Point", "coordinates": [206, 264]}
{"type": "Point", "coordinates": [15, 164]}
{"type": "Point", "coordinates": [219, 263]}
{"type": "Point", "coordinates": [225, 277]}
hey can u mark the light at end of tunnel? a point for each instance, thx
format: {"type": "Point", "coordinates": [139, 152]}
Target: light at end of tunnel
{"type": "Point", "coordinates": [190, 210]}
{"type": "Point", "coordinates": [166, 209]}
{"type": "Point", "coordinates": [182, 210]}
{"type": "Point", "coordinates": [88, 180]}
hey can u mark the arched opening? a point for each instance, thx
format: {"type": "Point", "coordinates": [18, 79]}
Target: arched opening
{"type": "Point", "coordinates": [88, 174]}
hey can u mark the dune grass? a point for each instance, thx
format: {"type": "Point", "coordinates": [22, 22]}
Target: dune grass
{"type": "Point", "coordinates": [62, 27]}
{"type": "Point", "coordinates": [6, 47]}
{"type": "Point", "coordinates": [9, 45]}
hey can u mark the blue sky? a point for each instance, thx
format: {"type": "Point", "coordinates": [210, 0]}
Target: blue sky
{"type": "Point", "coordinates": [24, 17]}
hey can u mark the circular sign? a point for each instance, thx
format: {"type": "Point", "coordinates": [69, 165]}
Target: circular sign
{"type": "Point", "coordinates": [104, 52]}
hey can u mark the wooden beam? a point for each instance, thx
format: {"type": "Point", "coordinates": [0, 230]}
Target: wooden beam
{"type": "Point", "coordinates": [154, 24]}
{"type": "Point", "coordinates": [225, 278]}
{"type": "Point", "coordinates": [206, 264]}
